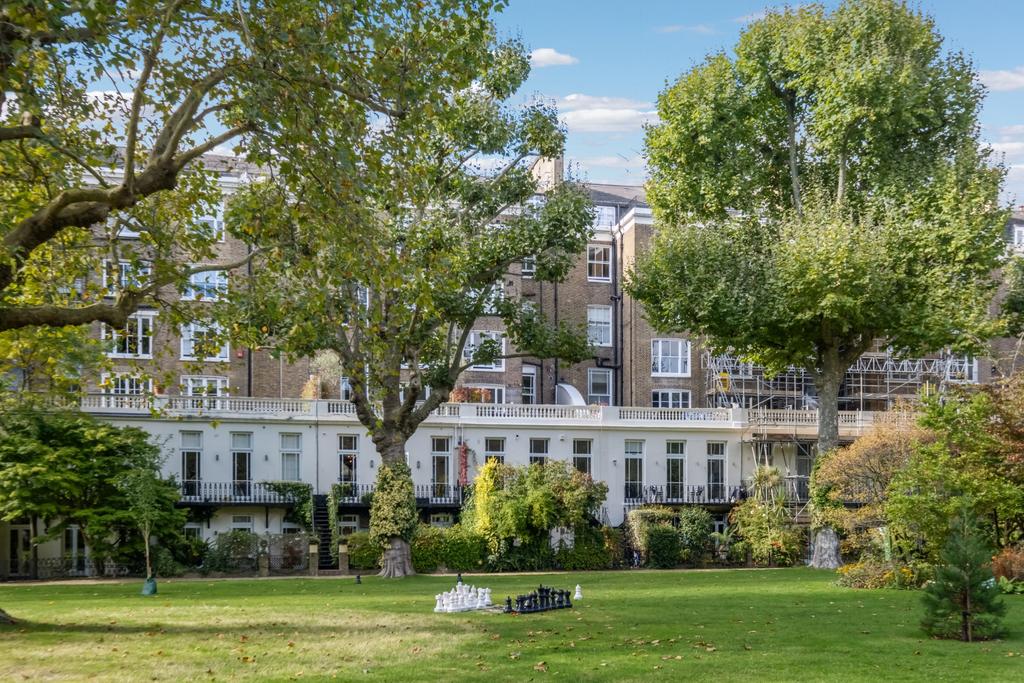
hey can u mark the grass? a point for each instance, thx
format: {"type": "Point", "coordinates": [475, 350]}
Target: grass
{"type": "Point", "coordinates": [783, 624]}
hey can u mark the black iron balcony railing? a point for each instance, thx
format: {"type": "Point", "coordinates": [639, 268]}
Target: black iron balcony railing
{"type": "Point", "coordinates": [682, 494]}
{"type": "Point", "coordinates": [351, 492]}
{"type": "Point", "coordinates": [239, 491]}
{"type": "Point", "coordinates": [438, 494]}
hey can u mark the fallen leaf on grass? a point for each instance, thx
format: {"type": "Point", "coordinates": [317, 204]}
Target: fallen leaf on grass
{"type": "Point", "coordinates": [540, 666]}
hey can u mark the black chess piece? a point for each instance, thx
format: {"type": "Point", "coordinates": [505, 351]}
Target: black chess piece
{"type": "Point", "coordinates": [568, 600]}
{"type": "Point", "coordinates": [508, 604]}
{"type": "Point", "coordinates": [359, 579]}
{"type": "Point", "coordinates": [459, 580]}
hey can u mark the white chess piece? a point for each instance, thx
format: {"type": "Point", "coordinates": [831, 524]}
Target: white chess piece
{"type": "Point", "coordinates": [439, 606]}
{"type": "Point", "coordinates": [579, 593]}
{"type": "Point", "coordinates": [487, 597]}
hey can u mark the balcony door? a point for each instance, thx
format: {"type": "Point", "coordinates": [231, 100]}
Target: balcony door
{"type": "Point", "coordinates": [440, 476]}
{"type": "Point", "coordinates": [242, 468]}
{"type": "Point", "coordinates": [191, 473]}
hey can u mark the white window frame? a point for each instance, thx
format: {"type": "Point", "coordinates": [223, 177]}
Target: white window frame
{"type": "Point", "coordinates": [291, 452]}
{"type": "Point", "coordinates": [599, 325]}
{"type": "Point", "coordinates": [528, 395]}
{"type": "Point", "coordinates": [535, 444]}
{"type": "Point", "coordinates": [348, 447]}
{"type": "Point", "coordinates": [581, 454]}
{"type": "Point", "coordinates": [188, 342]}
{"type": "Point", "coordinates": [494, 448]}
{"type": "Point", "coordinates": [593, 264]}
{"type": "Point", "coordinates": [215, 221]}
{"type": "Point", "coordinates": [207, 285]}
{"type": "Point", "coordinates": [675, 452]}
{"type": "Point", "coordinates": [660, 360]}
{"type": "Point", "coordinates": [476, 337]}
{"type": "Point", "coordinates": [189, 383]}
{"type": "Point", "coordinates": [591, 374]}
{"type": "Point", "coordinates": [670, 398]}
{"type": "Point", "coordinates": [127, 276]}
{"type": "Point", "coordinates": [634, 449]}
{"type": "Point", "coordinates": [497, 393]}
{"type": "Point", "coordinates": [345, 389]}
{"type": "Point", "coordinates": [242, 523]}
{"type": "Point", "coordinates": [125, 384]}
{"type": "Point", "coordinates": [529, 267]}
{"type": "Point", "coordinates": [144, 324]}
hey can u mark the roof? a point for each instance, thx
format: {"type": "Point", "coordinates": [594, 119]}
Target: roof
{"type": "Point", "coordinates": [603, 193]}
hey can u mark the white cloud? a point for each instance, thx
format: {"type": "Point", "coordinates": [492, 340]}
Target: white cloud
{"type": "Point", "coordinates": [753, 16]}
{"type": "Point", "coordinates": [548, 56]}
{"type": "Point", "coordinates": [613, 161]}
{"type": "Point", "coordinates": [688, 28]}
{"type": "Point", "coordinates": [592, 114]}
{"type": "Point", "coordinates": [1004, 79]}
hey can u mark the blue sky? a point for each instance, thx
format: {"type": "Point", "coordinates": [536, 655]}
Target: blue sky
{"type": "Point", "coordinates": [603, 62]}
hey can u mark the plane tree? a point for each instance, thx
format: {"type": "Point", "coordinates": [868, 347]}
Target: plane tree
{"type": "Point", "coordinates": [822, 189]}
{"type": "Point", "coordinates": [389, 271]}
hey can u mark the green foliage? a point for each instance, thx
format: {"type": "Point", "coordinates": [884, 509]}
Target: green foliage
{"type": "Point", "coordinates": [963, 600]}
{"type": "Point", "coordinates": [1012, 308]}
{"type": "Point", "coordinates": [464, 550]}
{"type": "Point", "coordinates": [393, 513]}
{"type": "Point", "coordinates": [427, 548]}
{"type": "Point", "coordinates": [1009, 586]}
{"type": "Point", "coordinates": [695, 526]}
{"type": "Point", "coordinates": [526, 503]}
{"type": "Point", "coordinates": [165, 564]}
{"type": "Point", "coordinates": [971, 461]}
{"type": "Point", "coordinates": [69, 468]}
{"type": "Point", "coordinates": [871, 572]}
{"type": "Point", "coordinates": [362, 553]}
{"type": "Point", "coordinates": [866, 206]}
{"type": "Point", "coordinates": [664, 546]}
{"type": "Point", "coordinates": [592, 549]}
{"type": "Point", "coordinates": [765, 523]}
{"type": "Point", "coordinates": [302, 496]}
{"type": "Point", "coordinates": [232, 551]}
{"type": "Point", "coordinates": [640, 521]}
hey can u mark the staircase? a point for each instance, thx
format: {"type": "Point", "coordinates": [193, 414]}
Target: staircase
{"type": "Point", "coordinates": [322, 529]}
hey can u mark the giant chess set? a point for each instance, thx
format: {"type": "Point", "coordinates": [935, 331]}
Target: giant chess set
{"type": "Point", "coordinates": [543, 599]}
{"type": "Point", "coordinates": [463, 598]}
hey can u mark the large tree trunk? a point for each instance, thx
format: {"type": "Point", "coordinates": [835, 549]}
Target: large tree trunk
{"type": "Point", "coordinates": [397, 560]}
{"type": "Point", "coordinates": [825, 553]}
{"type": "Point", "coordinates": [6, 618]}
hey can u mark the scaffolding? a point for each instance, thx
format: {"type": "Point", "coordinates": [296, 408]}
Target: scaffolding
{"type": "Point", "coordinates": [877, 381]}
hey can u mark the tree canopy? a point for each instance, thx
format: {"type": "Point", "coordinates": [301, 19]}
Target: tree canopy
{"type": "Point", "coordinates": [68, 469]}
{"type": "Point", "coordinates": [821, 190]}
{"type": "Point", "coordinates": [107, 109]}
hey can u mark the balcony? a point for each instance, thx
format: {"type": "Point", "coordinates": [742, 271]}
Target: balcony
{"type": "Point", "coordinates": [343, 412]}
{"type": "Point", "coordinates": [231, 492]}
{"type": "Point", "coordinates": [438, 495]}
{"type": "Point", "coordinates": [636, 495]}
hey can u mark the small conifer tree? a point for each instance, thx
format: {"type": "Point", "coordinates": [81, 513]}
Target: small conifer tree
{"type": "Point", "coordinates": [963, 600]}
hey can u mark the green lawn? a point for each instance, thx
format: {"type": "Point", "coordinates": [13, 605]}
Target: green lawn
{"type": "Point", "coordinates": [785, 624]}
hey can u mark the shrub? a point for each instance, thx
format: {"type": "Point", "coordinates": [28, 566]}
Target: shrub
{"type": "Point", "coordinates": [589, 551]}
{"type": "Point", "coordinates": [463, 549]}
{"type": "Point", "coordinates": [695, 527]}
{"type": "Point", "coordinates": [164, 563]}
{"type": "Point", "coordinates": [664, 545]}
{"type": "Point", "coordinates": [872, 573]}
{"type": "Point", "coordinates": [641, 520]}
{"type": "Point", "coordinates": [615, 545]}
{"type": "Point", "coordinates": [1009, 564]}
{"type": "Point", "coordinates": [427, 548]}
{"type": "Point", "coordinates": [768, 528]}
{"type": "Point", "coordinates": [362, 554]}
{"type": "Point", "coordinates": [233, 551]}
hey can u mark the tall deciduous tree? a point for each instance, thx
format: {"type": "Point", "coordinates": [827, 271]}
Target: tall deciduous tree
{"type": "Point", "coordinates": [823, 189]}
{"type": "Point", "coordinates": [107, 108]}
{"type": "Point", "coordinates": [389, 270]}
